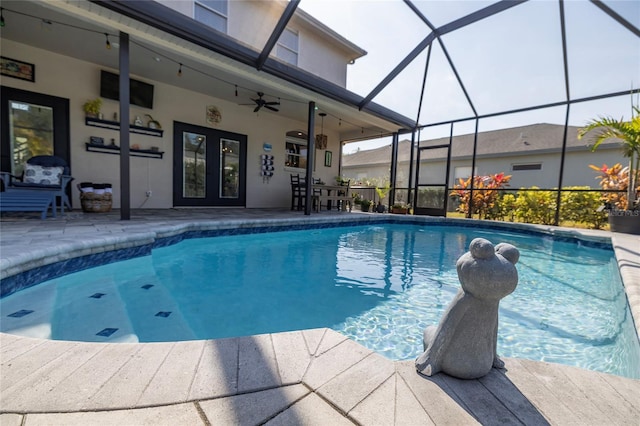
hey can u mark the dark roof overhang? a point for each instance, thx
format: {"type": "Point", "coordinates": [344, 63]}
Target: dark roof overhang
{"type": "Point", "coordinates": [172, 22]}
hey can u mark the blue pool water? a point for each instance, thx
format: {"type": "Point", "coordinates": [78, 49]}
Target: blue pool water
{"type": "Point", "coordinates": [380, 285]}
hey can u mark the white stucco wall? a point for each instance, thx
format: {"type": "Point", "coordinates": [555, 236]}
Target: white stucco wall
{"type": "Point", "coordinates": [251, 22]}
{"type": "Point", "coordinates": [79, 81]}
{"type": "Point", "coordinates": [321, 58]}
{"type": "Point", "coordinates": [576, 169]}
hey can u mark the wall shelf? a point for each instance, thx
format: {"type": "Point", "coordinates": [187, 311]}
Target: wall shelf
{"type": "Point", "coordinates": [107, 149]}
{"type": "Point", "coordinates": [114, 125]}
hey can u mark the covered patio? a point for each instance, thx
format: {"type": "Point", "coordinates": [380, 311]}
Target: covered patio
{"type": "Point", "coordinates": [550, 80]}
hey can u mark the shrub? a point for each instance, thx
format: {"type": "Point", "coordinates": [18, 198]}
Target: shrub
{"type": "Point", "coordinates": [582, 206]}
{"type": "Point", "coordinates": [485, 193]}
{"type": "Point", "coordinates": [614, 178]}
{"type": "Point", "coordinates": [534, 206]}
{"type": "Point", "coordinates": [504, 208]}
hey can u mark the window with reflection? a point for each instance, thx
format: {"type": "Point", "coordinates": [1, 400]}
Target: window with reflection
{"type": "Point", "coordinates": [30, 133]}
{"type": "Point", "coordinates": [194, 165]}
{"type": "Point", "coordinates": [212, 13]}
{"type": "Point", "coordinates": [287, 47]}
{"type": "Point", "coordinates": [229, 168]}
{"type": "Point", "coordinates": [296, 149]}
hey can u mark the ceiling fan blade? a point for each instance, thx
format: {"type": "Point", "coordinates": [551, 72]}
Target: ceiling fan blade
{"type": "Point", "coordinates": [267, 106]}
{"type": "Point", "coordinates": [272, 103]}
{"type": "Point", "coordinates": [257, 108]}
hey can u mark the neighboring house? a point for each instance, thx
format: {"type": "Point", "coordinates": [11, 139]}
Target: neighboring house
{"type": "Point", "coordinates": [205, 84]}
{"type": "Point", "coordinates": [530, 154]}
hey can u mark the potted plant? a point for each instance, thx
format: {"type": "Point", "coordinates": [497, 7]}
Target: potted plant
{"type": "Point", "coordinates": [400, 208]}
{"type": "Point", "coordinates": [382, 193]}
{"type": "Point", "coordinates": [153, 123]}
{"type": "Point", "coordinates": [340, 180]}
{"type": "Point", "coordinates": [92, 107]}
{"type": "Point", "coordinates": [364, 205]}
{"type": "Point", "coordinates": [627, 133]}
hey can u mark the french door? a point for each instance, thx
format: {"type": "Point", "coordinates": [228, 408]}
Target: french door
{"type": "Point", "coordinates": [209, 166]}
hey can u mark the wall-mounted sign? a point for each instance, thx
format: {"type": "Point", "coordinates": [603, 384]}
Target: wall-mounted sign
{"type": "Point", "coordinates": [267, 147]}
{"type": "Point", "coordinates": [214, 116]}
{"type": "Point", "coordinates": [17, 69]}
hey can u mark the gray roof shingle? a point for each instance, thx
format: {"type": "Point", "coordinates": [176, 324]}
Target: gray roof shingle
{"type": "Point", "coordinates": [534, 138]}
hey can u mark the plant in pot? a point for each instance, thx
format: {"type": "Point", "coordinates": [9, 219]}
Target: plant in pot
{"type": "Point", "coordinates": [622, 218]}
{"type": "Point", "coordinates": [153, 123]}
{"type": "Point", "coordinates": [364, 205]}
{"type": "Point", "coordinates": [382, 193]}
{"type": "Point", "coordinates": [92, 107]}
{"type": "Point", "coordinates": [400, 208]}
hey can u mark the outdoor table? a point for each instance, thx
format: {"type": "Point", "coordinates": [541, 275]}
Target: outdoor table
{"type": "Point", "coordinates": [331, 195]}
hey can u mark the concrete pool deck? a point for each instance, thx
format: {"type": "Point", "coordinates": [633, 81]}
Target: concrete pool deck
{"type": "Point", "coordinates": [302, 377]}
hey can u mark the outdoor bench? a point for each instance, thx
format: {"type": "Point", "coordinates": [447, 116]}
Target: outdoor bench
{"type": "Point", "coordinates": [28, 201]}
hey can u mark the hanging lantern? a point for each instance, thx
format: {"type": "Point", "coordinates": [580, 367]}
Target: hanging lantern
{"type": "Point", "coordinates": [321, 139]}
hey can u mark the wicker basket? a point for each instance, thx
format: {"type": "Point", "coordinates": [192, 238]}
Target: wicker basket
{"type": "Point", "coordinates": [95, 203]}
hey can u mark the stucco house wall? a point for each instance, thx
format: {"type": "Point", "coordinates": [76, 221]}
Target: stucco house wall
{"type": "Point", "coordinates": [361, 166]}
{"type": "Point", "coordinates": [79, 81]}
{"type": "Point", "coordinates": [251, 22]}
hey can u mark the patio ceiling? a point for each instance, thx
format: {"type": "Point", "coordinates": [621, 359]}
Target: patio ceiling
{"type": "Point", "coordinates": [77, 29]}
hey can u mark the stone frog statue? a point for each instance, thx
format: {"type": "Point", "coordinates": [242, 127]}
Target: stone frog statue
{"type": "Point", "coordinates": [464, 343]}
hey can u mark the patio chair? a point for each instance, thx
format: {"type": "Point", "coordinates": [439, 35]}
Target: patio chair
{"type": "Point", "coordinates": [340, 204]}
{"type": "Point", "coordinates": [42, 173]}
{"type": "Point", "coordinates": [298, 192]}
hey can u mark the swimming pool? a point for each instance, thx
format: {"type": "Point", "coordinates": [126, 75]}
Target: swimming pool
{"type": "Point", "coordinates": [380, 285]}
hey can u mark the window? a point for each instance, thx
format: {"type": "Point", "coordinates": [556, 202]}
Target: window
{"type": "Point", "coordinates": [31, 133]}
{"type": "Point", "coordinates": [522, 167]}
{"type": "Point", "coordinates": [296, 150]}
{"type": "Point", "coordinates": [212, 13]}
{"type": "Point", "coordinates": [463, 172]}
{"type": "Point", "coordinates": [287, 47]}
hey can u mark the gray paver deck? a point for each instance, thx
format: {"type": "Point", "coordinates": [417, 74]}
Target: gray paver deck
{"type": "Point", "coordinates": [302, 377]}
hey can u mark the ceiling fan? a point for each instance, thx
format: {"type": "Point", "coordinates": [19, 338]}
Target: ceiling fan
{"type": "Point", "coordinates": [262, 103]}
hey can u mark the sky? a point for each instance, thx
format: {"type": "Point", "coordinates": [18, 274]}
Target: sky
{"type": "Point", "coordinates": [508, 61]}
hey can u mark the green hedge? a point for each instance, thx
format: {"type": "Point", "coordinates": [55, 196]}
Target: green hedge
{"type": "Point", "coordinates": [531, 205]}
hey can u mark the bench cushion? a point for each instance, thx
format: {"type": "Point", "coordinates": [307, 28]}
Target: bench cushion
{"type": "Point", "coordinates": [25, 185]}
{"type": "Point", "coordinates": [42, 175]}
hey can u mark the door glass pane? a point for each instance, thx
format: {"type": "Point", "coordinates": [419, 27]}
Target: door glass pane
{"type": "Point", "coordinates": [30, 133]}
{"type": "Point", "coordinates": [194, 165]}
{"type": "Point", "coordinates": [229, 168]}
